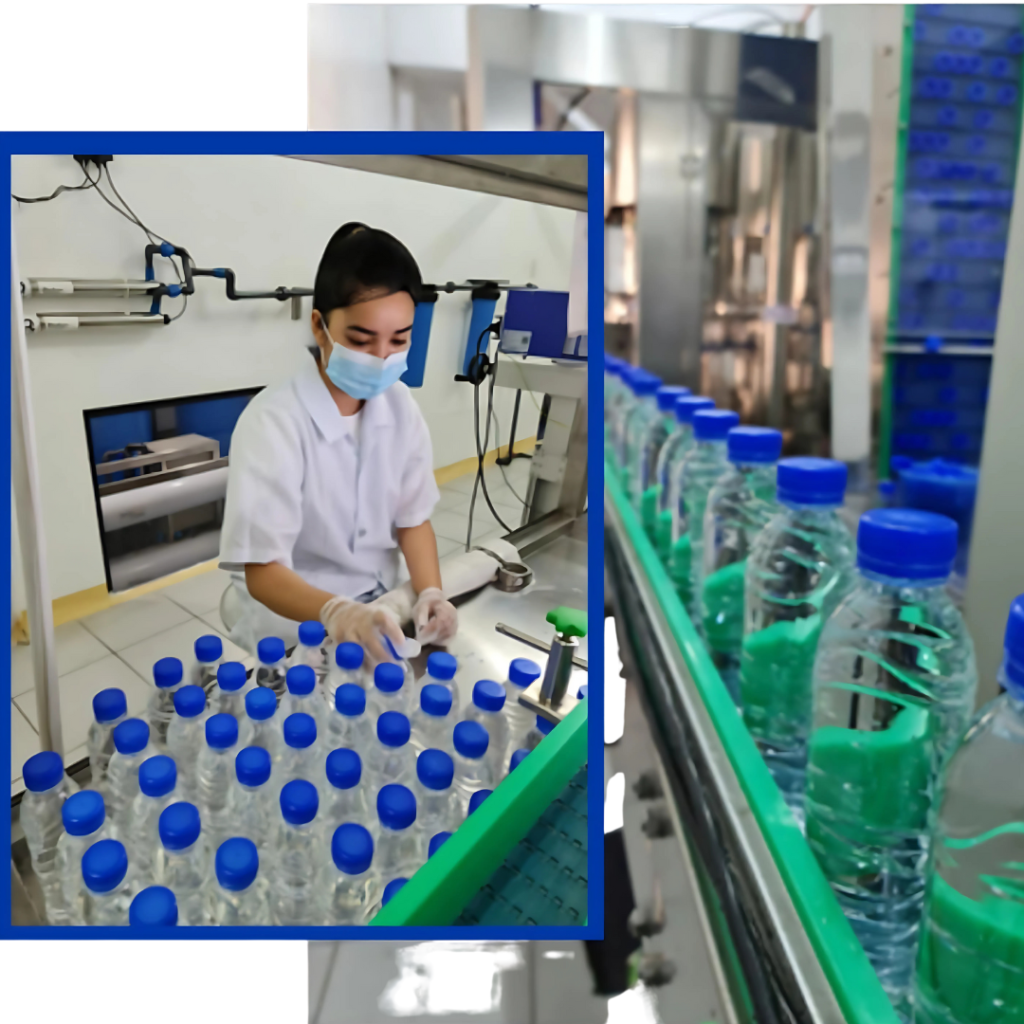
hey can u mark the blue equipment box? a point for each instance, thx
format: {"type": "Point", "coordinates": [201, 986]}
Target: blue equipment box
{"type": "Point", "coordinates": [536, 324]}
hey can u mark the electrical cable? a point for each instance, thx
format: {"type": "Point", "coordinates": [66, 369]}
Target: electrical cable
{"type": "Point", "coordinates": [497, 440]}
{"type": "Point", "coordinates": [57, 191]}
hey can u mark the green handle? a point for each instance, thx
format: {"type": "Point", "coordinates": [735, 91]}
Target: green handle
{"type": "Point", "coordinates": [568, 621]}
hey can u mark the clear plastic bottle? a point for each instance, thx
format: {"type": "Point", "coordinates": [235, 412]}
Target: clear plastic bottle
{"type": "Point", "coordinates": [301, 694]}
{"type": "Point", "coordinates": [436, 842]}
{"type": "Point", "coordinates": [253, 807]}
{"type": "Point", "coordinates": [432, 722]}
{"type": "Point", "coordinates": [263, 724]}
{"type": "Point", "coordinates": [666, 473]}
{"type": "Point", "coordinates": [615, 392]}
{"type": "Point", "coordinates": [186, 737]}
{"type": "Point", "coordinates": [47, 787]}
{"type": "Point", "coordinates": [739, 506]}
{"type": "Point", "coordinates": [167, 675]}
{"type": "Point", "coordinates": [158, 778]}
{"type": "Point", "coordinates": [348, 725]}
{"type": "Point", "coordinates": [131, 748]}
{"type": "Point", "coordinates": [699, 471]}
{"type": "Point", "coordinates": [438, 807]}
{"type": "Point", "coordinates": [659, 428]}
{"type": "Point", "coordinates": [441, 669]}
{"type": "Point", "coordinates": [541, 728]}
{"type": "Point", "coordinates": [108, 883]}
{"type": "Point", "coordinates": [154, 907]}
{"type": "Point", "coordinates": [488, 708]}
{"type": "Point", "coordinates": [522, 673]}
{"type": "Point", "coordinates": [641, 417]}
{"type": "Point", "coordinates": [970, 965]}
{"type": "Point", "coordinates": [181, 862]}
{"type": "Point", "coordinates": [208, 651]}
{"type": "Point", "coordinates": [344, 798]}
{"type": "Point", "coordinates": [398, 845]}
{"type": "Point", "coordinates": [391, 758]}
{"type": "Point", "coordinates": [297, 857]}
{"type": "Point", "coordinates": [894, 685]}
{"type": "Point", "coordinates": [312, 650]}
{"type": "Point", "coordinates": [800, 568]}
{"type": "Point", "coordinates": [477, 799]}
{"type": "Point", "coordinates": [272, 667]}
{"type": "Point", "coordinates": [301, 758]}
{"type": "Point", "coordinates": [473, 769]}
{"type": "Point", "coordinates": [227, 697]}
{"type": "Point", "coordinates": [84, 816]}
{"type": "Point", "coordinates": [215, 771]}
{"type": "Point", "coordinates": [109, 708]}
{"type": "Point", "coordinates": [238, 893]}
{"type": "Point", "coordinates": [517, 759]}
{"type": "Point", "coordinates": [348, 668]}
{"type": "Point", "coordinates": [390, 692]}
{"type": "Point", "coordinates": [391, 890]}
{"type": "Point", "coordinates": [349, 882]}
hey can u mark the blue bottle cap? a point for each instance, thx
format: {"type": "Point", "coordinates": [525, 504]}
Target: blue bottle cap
{"type": "Point", "coordinates": [436, 700]}
{"type": "Point", "coordinates": [435, 769]}
{"type": "Point", "coordinates": [352, 848]}
{"type": "Point", "coordinates": [350, 700]}
{"type": "Point", "coordinates": [167, 672]}
{"type": "Point", "coordinates": [690, 404]}
{"type": "Point", "coordinates": [43, 771]}
{"type": "Point", "coordinates": [544, 726]}
{"type": "Point", "coordinates": [904, 543]}
{"type": "Point", "coordinates": [393, 729]}
{"type": "Point", "coordinates": [396, 806]}
{"type": "Point", "coordinates": [299, 802]}
{"type": "Point", "coordinates": [441, 665]}
{"type": "Point", "coordinates": [344, 768]}
{"type": "Point", "coordinates": [83, 813]}
{"type": "Point", "coordinates": [157, 775]}
{"type": "Point", "coordinates": [522, 672]}
{"type": "Point", "coordinates": [252, 766]}
{"type": "Point", "coordinates": [104, 865]}
{"type": "Point", "coordinates": [221, 731]}
{"type": "Point", "coordinates": [388, 677]}
{"type": "Point", "coordinates": [109, 705]}
{"type": "Point", "coordinates": [754, 444]}
{"type": "Point", "coordinates": [1013, 650]}
{"type": "Point", "coordinates": [154, 907]}
{"type": "Point", "coordinates": [300, 730]}
{"type": "Point", "coordinates": [478, 798]}
{"type": "Point", "coordinates": [517, 758]}
{"type": "Point", "coordinates": [668, 394]}
{"type": "Point", "coordinates": [209, 648]}
{"type": "Point", "coordinates": [270, 650]}
{"type": "Point", "coordinates": [581, 693]}
{"type": "Point", "coordinates": [260, 704]}
{"type": "Point", "coordinates": [312, 633]}
{"type": "Point", "coordinates": [348, 656]}
{"type": "Point", "coordinates": [131, 736]}
{"type": "Point", "coordinates": [236, 864]}
{"type": "Point", "coordinates": [714, 424]}
{"type": "Point", "coordinates": [300, 680]}
{"type": "Point", "coordinates": [189, 701]}
{"type": "Point", "coordinates": [806, 480]}
{"type": "Point", "coordinates": [436, 842]}
{"type": "Point", "coordinates": [179, 825]}
{"type": "Point", "coordinates": [644, 383]}
{"type": "Point", "coordinates": [471, 739]}
{"type": "Point", "coordinates": [899, 463]}
{"type": "Point", "coordinates": [231, 676]}
{"type": "Point", "coordinates": [489, 695]}
{"type": "Point", "coordinates": [391, 890]}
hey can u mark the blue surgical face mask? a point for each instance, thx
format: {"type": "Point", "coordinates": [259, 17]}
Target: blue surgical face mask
{"type": "Point", "coordinates": [360, 374]}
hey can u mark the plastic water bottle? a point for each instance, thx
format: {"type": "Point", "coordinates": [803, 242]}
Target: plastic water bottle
{"type": "Point", "coordinates": [437, 801]}
{"type": "Point", "coordinates": [970, 964]}
{"type": "Point", "coordinates": [517, 759]}
{"type": "Point", "coordinates": [348, 725]}
{"type": "Point", "coordinates": [181, 862]}
{"type": "Point", "coordinates": [398, 845]}
{"type": "Point", "coordinates": [108, 884]}
{"type": "Point", "coordinates": [262, 726]}
{"type": "Point", "coordinates": [186, 736]}
{"type": "Point", "coordinates": [208, 650]}
{"type": "Point", "coordinates": [154, 907]}
{"type": "Point", "coordinates": [84, 817]}
{"type": "Point", "coordinates": [238, 894]}
{"type": "Point", "coordinates": [473, 769]}
{"type": "Point", "coordinates": [301, 758]}
{"type": "Point", "coordinates": [389, 691]}
{"type": "Point", "coordinates": [659, 428]}
{"type": "Point", "coordinates": [441, 669]}
{"type": "Point", "coordinates": [894, 685]}
{"type": "Point", "coordinates": [488, 708]}
{"type": "Point", "coordinates": [131, 748]}
{"type": "Point", "coordinates": [227, 697]}
{"type": "Point", "coordinates": [109, 708]}
{"type": "Point", "coordinates": [301, 693]}
{"type": "Point", "coordinates": [800, 568]}
{"type": "Point", "coordinates": [390, 758]}
{"type": "Point", "coordinates": [432, 722]}
{"type": "Point", "coordinates": [348, 668]}
{"type": "Point", "coordinates": [349, 882]}
{"type": "Point", "coordinates": [312, 650]}
{"type": "Point", "coordinates": [615, 392]}
{"type": "Point", "coordinates": [215, 772]}
{"type": "Point", "coordinates": [436, 842]}
{"type": "Point", "coordinates": [167, 674]}
{"type": "Point", "coordinates": [297, 857]}
{"type": "Point", "coordinates": [641, 418]}
{"type": "Point", "coordinates": [666, 473]}
{"type": "Point", "coordinates": [344, 798]}
{"type": "Point", "coordinates": [541, 728]}
{"type": "Point", "coordinates": [739, 506]}
{"type": "Point", "coordinates": [253, 808]}
{"type": "Point", "coordinates": [522, 673]}
{"type": "Point", "coordinates": [272, 668]}
{"type": "Point", "coordinates": [478, 798]}
{"type": "Point", "coordinates": [391, 890]}
{"type": "Point", "coordinates": [158, 777]}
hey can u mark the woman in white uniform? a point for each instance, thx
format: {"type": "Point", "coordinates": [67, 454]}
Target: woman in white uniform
{"type": "Point", "coordinates": [331, 473]}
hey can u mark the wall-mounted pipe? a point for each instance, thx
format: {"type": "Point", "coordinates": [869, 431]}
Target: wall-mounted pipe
{"type": "Point", "coordinates": [143, 504]}
{"type": "Point", "coordinates": [52, 287]}
{"type": "Point", "coordinates": [73, 321]}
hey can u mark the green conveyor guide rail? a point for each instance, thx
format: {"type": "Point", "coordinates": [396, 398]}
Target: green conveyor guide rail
{"type": "Point", "coordinates": [853, 981]}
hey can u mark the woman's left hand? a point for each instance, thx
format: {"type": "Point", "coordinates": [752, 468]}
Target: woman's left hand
{"type": "Point", "coordinates": [435, 617]}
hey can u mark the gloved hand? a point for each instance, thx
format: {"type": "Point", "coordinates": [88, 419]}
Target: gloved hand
{"type": "Point", "coordinates": [435, 617]}
{"type": "Point", "coordinates": [349, 621]}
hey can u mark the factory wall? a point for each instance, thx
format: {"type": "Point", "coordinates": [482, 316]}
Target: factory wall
{"type": "Point", "coordinates": [268, 218]}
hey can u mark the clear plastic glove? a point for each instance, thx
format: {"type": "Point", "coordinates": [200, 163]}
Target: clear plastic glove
{"type": "Point", "coordinates": [435, 617]}
{"type": "Point", "coordinates": [348, 621]}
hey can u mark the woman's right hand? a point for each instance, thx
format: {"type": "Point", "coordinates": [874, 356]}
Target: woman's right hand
{"type": "Point", "coordinates": [348, 621]}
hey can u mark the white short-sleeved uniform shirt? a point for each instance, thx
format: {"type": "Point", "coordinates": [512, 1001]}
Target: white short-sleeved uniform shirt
{"type": "Point", "coordinates": [321, 493]}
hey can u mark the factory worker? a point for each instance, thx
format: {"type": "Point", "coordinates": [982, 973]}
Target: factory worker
{"type": "Point", "coordinates": [331, 472]}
